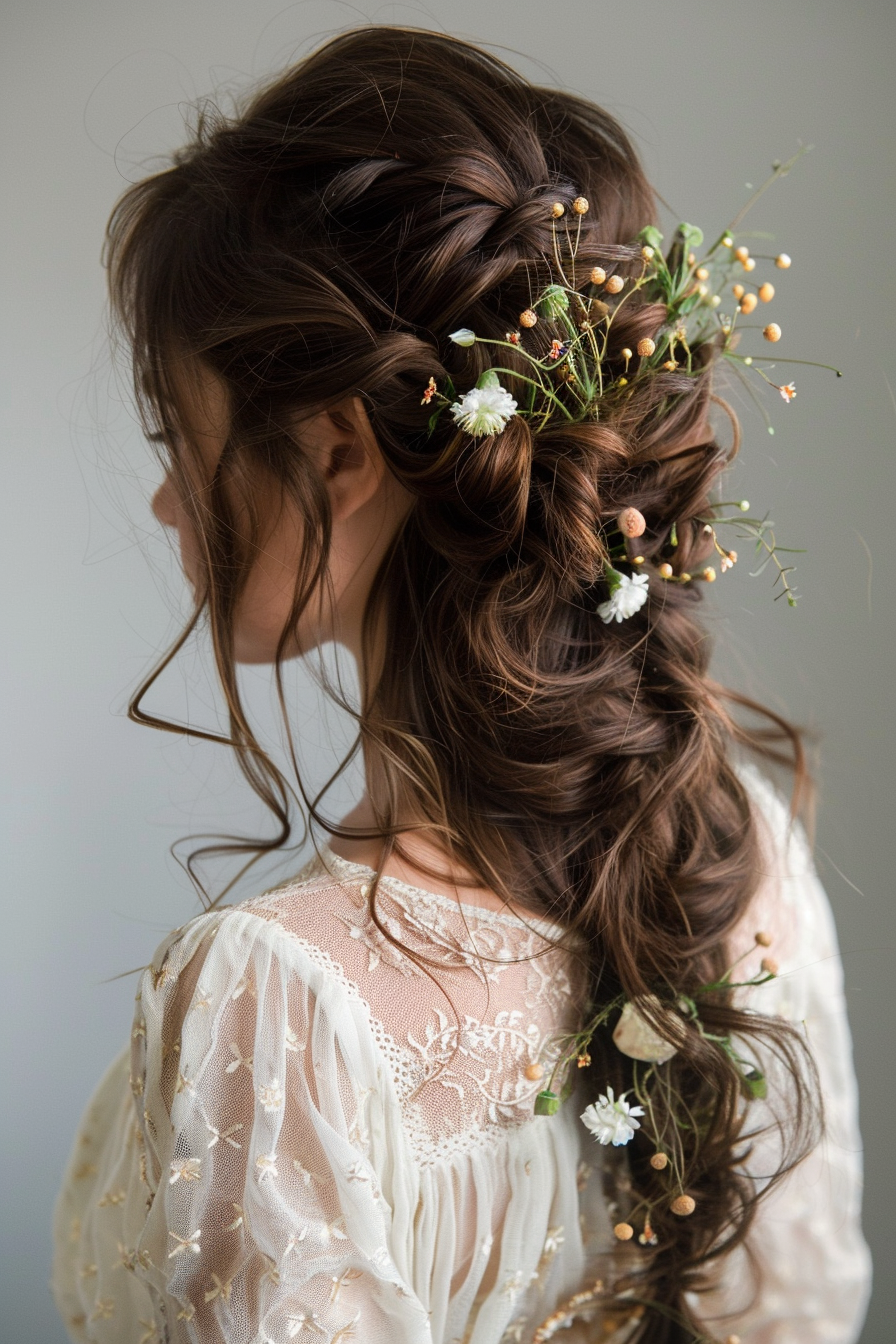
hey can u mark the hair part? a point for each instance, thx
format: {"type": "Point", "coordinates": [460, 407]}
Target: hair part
{"type": "Point", "coordinates": [322, 242]}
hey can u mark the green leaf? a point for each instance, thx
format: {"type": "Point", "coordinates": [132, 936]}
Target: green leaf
{"type": "Point", "coordinates": [692, 236]}
{"type": "Point", "coordinates": [756, 1084]}
{"type": "Point", "coordinates": [554, 302]}
{"type": "Point", "coordinates": [488, 379]}
{"type": "Point", "coordinates": [650, 236]}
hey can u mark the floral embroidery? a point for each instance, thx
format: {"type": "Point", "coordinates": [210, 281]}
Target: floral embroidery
{"type": "Point", "coordinates": [271, 1096]}
{"type": "Point", "coordinates": [238, 1220]}
{"type": "Point", "coordinates": [186, 1313]}
{"type": "Point", "coordinates": [188, 1169]}
{"type": "Point", "coordinates": [339, 1281]}
{"type": "Point", "coordinates": [240, 1059]}
{"type": "Point", "coordinates": [185, 1244]}
{"type": "Point", "coordinates": [294, 1242]}
{"type": "Point", "coordinates": [346, 1331]}
{"type": "Point", "coordinates": [103, 1309]}
{"type": "Point", "coordinates": [223, 1135]}
{"type": "Point", "coordinates": [203, 999]}
{"type": "Point", "coordinates": [112, 1197]}
{"type": "Point", "coordinates": [218, 1289]}
{"type": "Point", "coordinates": [267, 1165]}
{"type": "Point", "coordinates": [305, 1319]}
{"type": "Point", "coordinates": [150, 1332]}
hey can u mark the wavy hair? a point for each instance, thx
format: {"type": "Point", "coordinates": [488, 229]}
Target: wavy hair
{"type": "Point", "coordinates": [322, 242]}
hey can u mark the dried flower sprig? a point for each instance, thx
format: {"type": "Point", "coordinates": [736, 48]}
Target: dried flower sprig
{"type": "Point", "coordinates": [580, 375]}
{"type": "Point", "coordinates": [650, 1032]}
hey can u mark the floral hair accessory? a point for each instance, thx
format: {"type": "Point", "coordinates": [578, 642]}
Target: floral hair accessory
{"type": "Point", "coordinates": [485, 409]}
{"type": "Point", "coordinates": [649, 1031]}
{"type": "Point", "coordinates": [573, 371]}
{"type": "Point", "coordinates": [611, 1119]}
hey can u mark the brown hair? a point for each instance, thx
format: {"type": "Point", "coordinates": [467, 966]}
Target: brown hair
{"type": "Point", "coordinates": [324, 241]}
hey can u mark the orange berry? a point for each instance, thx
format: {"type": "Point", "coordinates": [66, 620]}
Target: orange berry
{"type": "Point", "coordinates": [615, 284]}
{"type": "Point", "coordinates": [748, 303]}
{"type": "Point", "coordinates": [769, 965]}
{"type": "Point", "coordinates": [533, 1072]}
{"type": "Point", "coordinates": [580, 205]}
{"type": "Point", "coordinates": [702, 273]}
{"type": "Point", "coordinates": [737, 291]}
{"type": "Point", "coordinates": [558, 209]}
{"type": "Point", "coordinates": [598, 275]}
{"type": "Point", "coordinates": [646, 346]}
{"type": "Point", "coordinates": [767, 292]}
{"type": "Point", "coordinates": [528, 318]}
{"type": "Point", "coordinates": [749, 264]}
{"type": "Point", "coordinates": [632, 523]}
{"type": "Point", "coordinates": [659, 1161]}
{"type": "Point", "coordinates": [623, 1231]}
{"type": "Point", "coordinates": [763, 939]}
{"type": "Point", "coordinates": [665, 571]}
{"type": "Point", "coordinates": [772, 332]}
{"type": "Point", "coordinates": [683, 1206]}
{"type": "Point", "coordinates": [742, 252]}
{"type": "Point", "coordinates": [782, 261]}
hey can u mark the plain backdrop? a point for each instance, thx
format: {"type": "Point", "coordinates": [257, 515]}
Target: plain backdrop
{"type": "Point", "coordinates": [94, 93]}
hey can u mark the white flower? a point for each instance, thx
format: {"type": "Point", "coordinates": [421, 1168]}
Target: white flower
{"type": "Point", "coordinates": [271, 1097]}
{"type": "Point", "coordinates": [463, 337]}
{"type": "Point", "coordinates": [627, 595]}
{"type": "Point", "coordinates": [484, 410]}
{"type": "Point", "coordinates": [612, 1120]}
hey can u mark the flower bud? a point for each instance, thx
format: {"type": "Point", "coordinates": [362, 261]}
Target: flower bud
{"type": "Point", "coordinates": [631, 523]}
{"type": "Point", "coordinates": [769, 965]}
{"type": "Point", "coordinates": [464, 336]}
{"type": "Point", "coordinates": [683, 1206]}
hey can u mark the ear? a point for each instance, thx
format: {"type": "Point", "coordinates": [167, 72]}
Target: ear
{"type": "Point", "coordinates": [341, 442]}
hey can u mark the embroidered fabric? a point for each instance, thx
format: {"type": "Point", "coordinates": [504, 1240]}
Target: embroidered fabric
{"type": "Point", "coordinates": [317, 1136]}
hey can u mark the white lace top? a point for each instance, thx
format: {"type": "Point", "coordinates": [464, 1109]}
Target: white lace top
{"type": "Point", "coordinates": [315, 1137]}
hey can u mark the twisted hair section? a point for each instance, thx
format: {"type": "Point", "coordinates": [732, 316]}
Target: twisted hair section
{"type": "Point", "coordinates": [323, 241]}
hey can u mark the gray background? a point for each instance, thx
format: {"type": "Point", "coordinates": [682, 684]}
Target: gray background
{"type": "Point", "coordinates": [92, 90]}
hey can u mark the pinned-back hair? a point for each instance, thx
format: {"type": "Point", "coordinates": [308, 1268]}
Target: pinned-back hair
{"type": "Point", "coordinates": [325, 241]}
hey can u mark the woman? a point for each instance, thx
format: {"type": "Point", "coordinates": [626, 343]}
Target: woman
{"type": "Point", "coordinates": [426, 386]}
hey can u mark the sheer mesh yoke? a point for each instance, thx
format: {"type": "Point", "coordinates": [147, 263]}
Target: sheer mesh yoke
{"type": "Point", "coordinates": [315, 1136]}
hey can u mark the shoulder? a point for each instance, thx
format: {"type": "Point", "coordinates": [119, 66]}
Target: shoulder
{"type": "Point", "coordinates": [285, 934]}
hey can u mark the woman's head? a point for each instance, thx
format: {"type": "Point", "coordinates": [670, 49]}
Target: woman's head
{"type": "Point", "coordinates": [289, 287]}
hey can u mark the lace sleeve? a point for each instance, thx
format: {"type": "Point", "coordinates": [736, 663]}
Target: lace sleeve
{"type": "Point", "coordinates": [810, 1273]}
{"type": "Point", "coordinates": [265, 1217]}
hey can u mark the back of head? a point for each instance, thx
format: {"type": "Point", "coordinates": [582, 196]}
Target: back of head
{"type": "Point", "coordinates": [327, 240]}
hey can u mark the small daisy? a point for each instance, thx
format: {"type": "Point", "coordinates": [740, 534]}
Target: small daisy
{"type": "Point", "coordinates": [788, 391]}
{"type": "Point", "coordinates": [627, 595]}
{"type": "Point", "coordinates": [484, 410]}
{"type": "Point", "coordinates": [612, 1120]}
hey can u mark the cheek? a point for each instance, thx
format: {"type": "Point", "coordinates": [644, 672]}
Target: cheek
{"type": "Point", "coordinates": [266, 602]}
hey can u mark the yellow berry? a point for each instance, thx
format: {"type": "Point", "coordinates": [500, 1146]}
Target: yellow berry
{"type": "Point", "coordinates": [749, 264]}
{"type": "Point", "coordinates": [557, 209]}
{"type": "Point", "coordinates": [685, 577]}
{"type": "Point", "coordinates": [647, 253]}
{"type": "Point", "coordinates": [727, 241]}
{"type": "Point", "coordinates": [763, 939]}
{"type": "Point", "coordinates": [533, 1072]}
{"type": "Point", "coordinates": [702, 273]}
{"type": "Point", "coordinates": [637, 559]}
{"type": "Point", "coordinates": [622, 382]}
{"type": "Point", "coordinates": [782, 261]}
{"type": "Point", "coordinates": [742, 252]}
{"type": "Point", "coordinates": [615, 284]}
{"type": "Point", "coordinates": [737, 291]}
{"type": "Point", "coordinates": [748, 303]}
{"type": "Point", "coordinates": [626, 353]}
{"type": "Point", "coordinates": [528, 318]}
{"type": "Point", "coordinates": [709, 574]}
{"type": "Point", "coordinates": [646, 346]}
{"type": "Point", "coordinates": [670, 365]}
{"type": "Point", "coordinates": [598, 275]}
{"type": "Point", "coordinates": [766, 292]}
{"type": "Point", "coordinates": [580, 205]}
{"type": "Point", "coordinates": [683, 1206]}
{"type": "Point", "coordinates": [659, 1161]}
{"type": "Point", "coordinates": [772, 332]}
{"type": "Point", "coordinates": [665, 571]}
{"type": "Point", "coordinates": [623, 1231]}
{"type": "Point", "coordinates": [691, 258]}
